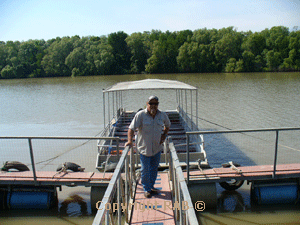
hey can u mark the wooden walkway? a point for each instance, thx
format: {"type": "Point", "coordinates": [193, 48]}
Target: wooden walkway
{"type": "Point", "coordinates": [156, 210]}
{"type": "Point", "coordinates": [246, 173]}
{"type": "Point", "coordinates": [55, 178]}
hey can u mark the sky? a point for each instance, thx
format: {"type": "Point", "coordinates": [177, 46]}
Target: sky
{"type": "Point", "coordinates": [21, 20]}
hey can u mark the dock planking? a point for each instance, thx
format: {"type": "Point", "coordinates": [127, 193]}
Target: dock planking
{"type": "Point", "coordinates": [57, 178]}
{"type": "Point", "coordinates": [246, 173]}
{"type": "Point", "coordinates": [158, 208]}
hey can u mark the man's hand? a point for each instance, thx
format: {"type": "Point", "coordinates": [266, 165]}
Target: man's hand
{"type": "Point", "coordinates": [129, 143]}
{"type": "Point", "coordinates": [163, 138]}
{"type": "Point", "coordinates": [130, 138]}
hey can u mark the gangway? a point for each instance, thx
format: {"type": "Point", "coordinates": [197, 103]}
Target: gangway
{"type": "Point", "coordinates": [172, 205]}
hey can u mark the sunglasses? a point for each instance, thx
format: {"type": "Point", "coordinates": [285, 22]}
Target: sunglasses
{"type": "Point", "coordinates": [153, 103]}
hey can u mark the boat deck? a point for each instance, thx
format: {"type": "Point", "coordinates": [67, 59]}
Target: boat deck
{"type": "Point", "coordinates": [177, 130]}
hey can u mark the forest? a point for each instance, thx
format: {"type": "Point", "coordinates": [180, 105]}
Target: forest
{"type": "Point", "coordinates": [200, 51]}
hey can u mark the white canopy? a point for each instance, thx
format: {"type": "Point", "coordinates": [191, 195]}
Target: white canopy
{"type": "Point", "coordinates": [149, 84]}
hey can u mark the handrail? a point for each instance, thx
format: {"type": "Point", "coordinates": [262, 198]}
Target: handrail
{"type": "Point", "coordinates": [180, 188]}
{"type": "Point", "coordinates": [276, 130]}
{"type": "Point", "coordinates": [30, 138]}
{"type": "Point", "coordinates": [106, 205]}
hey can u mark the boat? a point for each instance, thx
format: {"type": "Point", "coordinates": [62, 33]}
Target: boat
{"type": "Point", "coordinates": [119, 120]}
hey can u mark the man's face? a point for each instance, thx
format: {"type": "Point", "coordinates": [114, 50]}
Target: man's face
{"type": "Point", "coordinates": [152, 106]}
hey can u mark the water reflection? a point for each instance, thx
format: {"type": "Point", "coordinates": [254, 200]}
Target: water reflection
{"type": "Point", "coordinates": [73, 206]}
{"type": "Point", "coordinates": [231, 201]}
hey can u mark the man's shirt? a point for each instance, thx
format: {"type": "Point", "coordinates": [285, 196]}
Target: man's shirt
{"type": "Point", "coordinates": [149, 131]}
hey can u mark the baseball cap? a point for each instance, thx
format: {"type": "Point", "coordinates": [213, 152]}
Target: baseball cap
{"type": "Point", "coordinates": [152, 97]}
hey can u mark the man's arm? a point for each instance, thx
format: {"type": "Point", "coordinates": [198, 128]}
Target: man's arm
{"type": "Point", "coordinates": [130, 137]}
{"type": "Point", "coordinates": [164, 135]}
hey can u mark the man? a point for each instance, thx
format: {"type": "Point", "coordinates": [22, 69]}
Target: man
{"type": "Point", "coordinates": [153, 127]}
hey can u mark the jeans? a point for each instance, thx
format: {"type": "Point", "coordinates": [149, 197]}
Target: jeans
{"type": "Point", "coordinates": [149, 170]}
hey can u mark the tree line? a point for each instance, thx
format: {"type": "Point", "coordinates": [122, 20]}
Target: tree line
{"type": "Point", "coordinates": [199, 51]}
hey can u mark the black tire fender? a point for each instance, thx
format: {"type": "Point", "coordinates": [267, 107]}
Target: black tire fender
{"type": "Point", "coordinates": [8, 165]}
{"type": "Point", "coordinates": [233, 184]}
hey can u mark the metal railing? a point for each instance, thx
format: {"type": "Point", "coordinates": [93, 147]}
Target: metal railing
{"type": "Point", "coordinates": [116, 186]}
{"type": "Point", "coordinates": [180, 189]}
{"type": "Point", "coordinates": [276, 141]}
{"type": "Point", "coordinates": [32, 150]}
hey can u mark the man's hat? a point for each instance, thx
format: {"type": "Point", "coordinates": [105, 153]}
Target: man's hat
{"type": "Point", "coordinates": [153, 97]}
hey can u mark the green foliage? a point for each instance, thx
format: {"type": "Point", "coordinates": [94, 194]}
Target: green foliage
{"type": "Point", "coordinates": [200, 51]}
{"type": "Point", "coordinates": [8, 72]}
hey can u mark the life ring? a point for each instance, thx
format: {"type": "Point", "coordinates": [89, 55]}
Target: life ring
{"type": "Point", "coordinates": [15, 165]}
{"type": "Point", "coordinates": [69, 166]}
{"type": "Point", "coordinates": [233, 184]}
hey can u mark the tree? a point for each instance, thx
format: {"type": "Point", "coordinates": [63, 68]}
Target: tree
{"type": "Point", "coordinates": [76, 59]}
{"type": "Point", "coordinates": [8, 72]}
{"type": "Point", "coordinates": [248, 61]}
{"type": "Point", "coordinates": [239, 66]}
{"type": "Point", "coordinates": [54, 61]}
{"type": "Point", "coordinates": [139, 51]}
{"type": "Point", "coordinates": [229, 46]}
{"type": "Point", "coordinates": [100, 58]}
{"type": "Point", "coordinates": [120, 51]}
{"type": "Point", "coordinates": [273, 60]}
{"type": "Point", "coordinates": [254, 43]}
{"type": "Point", "coordinates": [230, 66]}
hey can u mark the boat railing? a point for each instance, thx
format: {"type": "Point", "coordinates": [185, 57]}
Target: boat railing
{"type": "Point", "coordinates": [121, 186]}
{"type": "Point", "coordinates": [256, 142]}
{"type": "Point", "coordinates": [185, 213]}
{"type": "Point", "coordinates": [190, 124]}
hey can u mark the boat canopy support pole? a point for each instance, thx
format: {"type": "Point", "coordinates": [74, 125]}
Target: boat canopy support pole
{"type": "Point", "coordinates": [197, 116]}
{"type": "Point", "coordinates": [108, 108]}
{"type": "Point", "coordinates": [113, 103]}
{"type": "Point", "coordinates": [103, 109]}
{"type": "Point", "coordinates": [192, 109]}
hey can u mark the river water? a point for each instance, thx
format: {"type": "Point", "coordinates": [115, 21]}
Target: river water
{"type": "Point", "coordinates": [73, 107]}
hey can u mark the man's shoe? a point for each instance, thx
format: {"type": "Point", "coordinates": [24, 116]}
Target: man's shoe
{"type": "Point", "coordinates": [147, 194]}
{"type": "Point", "coordinates": [154, 191]}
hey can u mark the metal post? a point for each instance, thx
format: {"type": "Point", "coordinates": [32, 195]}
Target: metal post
{"type": "Point", "coordinates": [107, 217]}
{"type": "Point", "coordinates": [176, 96]}
{"type": "Point", "coordinates": [32, 161]}
{"type": "Point", "coordinates": [108, 108]}
{"type": "Point", "coordinates": [181, 100]}
{"type": "Point", "coordinates": [275, 157]}
{"type": "Point", "coordinates": [121, 99]}
{"type": "Point", "coordinates": [180, 204]}
{"type": "Point", "coordinates": [188, 158]}
{"type": "Point", "coordinates": [186, 111]}
{"type": "Point", "coordinates": [191, 110]}
{"type": "Point", "coordinates": [104, 109]}
{"type": "Point", "coordinates": [119, 200]}
{"type": "Point", "coordinates": [113, 105]}
{"type": "Point", "coordinates": [197, 108]}
{"type": "Point", "coordinates": [126, 182]}
{"type": "Point", "coordinates": [118, 154]}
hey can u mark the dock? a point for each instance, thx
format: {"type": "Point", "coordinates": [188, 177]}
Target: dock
{"type": "Point", "coordinates": [158, 208]}
{"type": "Point", "coordinates": [55, 178]}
